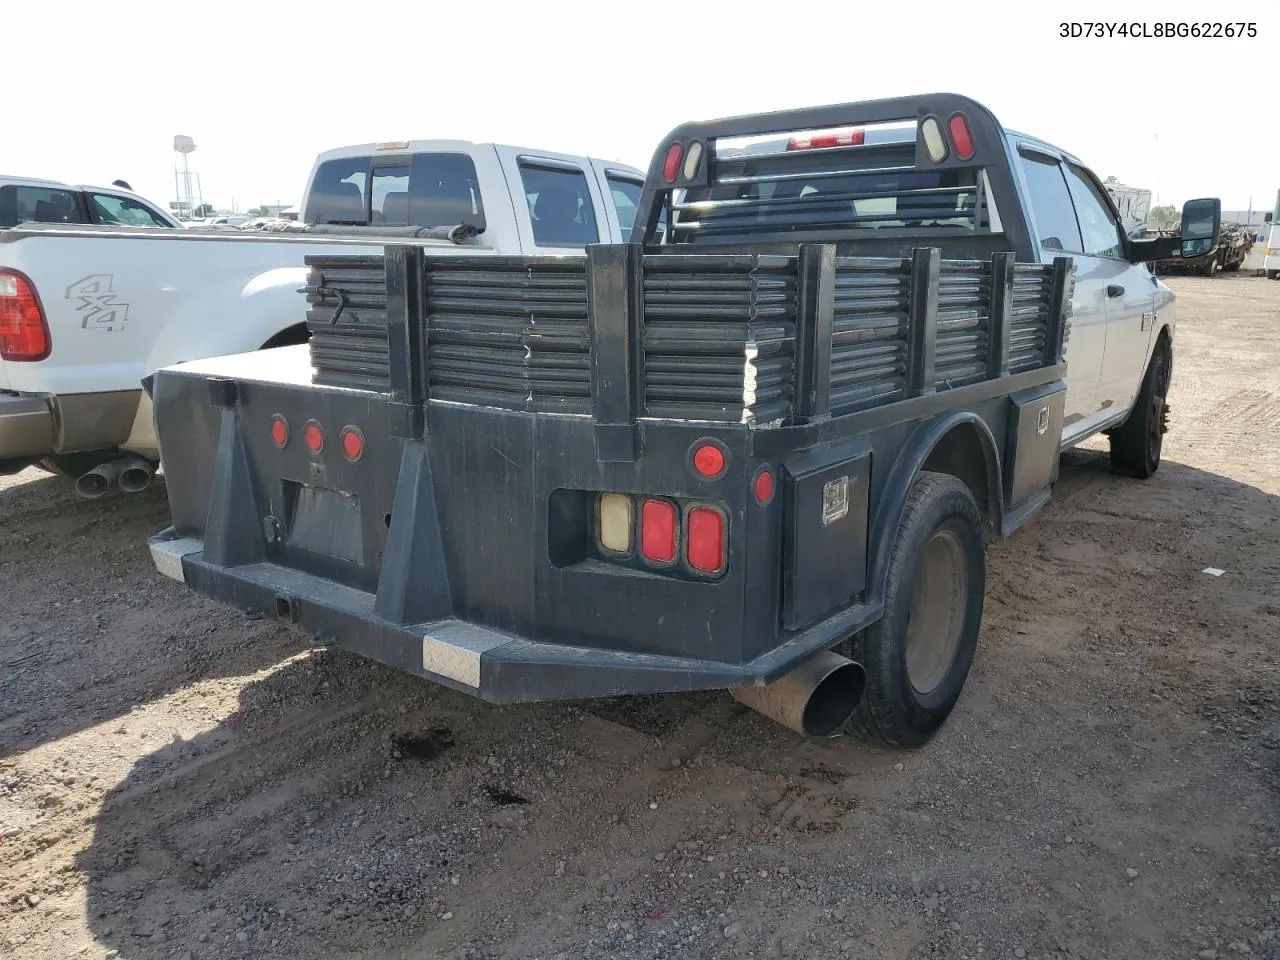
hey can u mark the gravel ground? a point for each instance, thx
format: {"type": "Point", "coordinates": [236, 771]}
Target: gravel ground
{"type": "Point", "coordinates": [177, 781]}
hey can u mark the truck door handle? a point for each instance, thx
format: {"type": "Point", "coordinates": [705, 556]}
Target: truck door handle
{"type": "Point", "coordinates": [1115, 290]}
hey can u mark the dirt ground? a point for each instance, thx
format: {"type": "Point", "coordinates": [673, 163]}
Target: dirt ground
{"type": "Point", "coordinates": [177, 781]}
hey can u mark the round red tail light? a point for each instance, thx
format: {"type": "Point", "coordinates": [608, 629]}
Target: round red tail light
{"type": "Point", "coordinates": [763, 486]}
{"type": "Point", "coordinates": [352, 443]}
{"type": "Point", "coordinates": [279, 431]}
{"type": "Point", "coordinates": [708, 460]}
{"type": "Point", "coordinates": [313, 434]}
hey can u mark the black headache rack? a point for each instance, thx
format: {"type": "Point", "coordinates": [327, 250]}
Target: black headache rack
{"type": "Point", "coordinates": [870, 177]}
{"type": "Point", "coordinates": [638, 471]}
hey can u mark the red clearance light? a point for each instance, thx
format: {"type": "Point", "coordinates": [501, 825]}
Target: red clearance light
{"type": "Point", "coordinates": [961, 138]}
{"type": "Point", "coordinates": [658, 531]}
{"type": "Point", "coordinates": [705, 549]}
{"type": "Point", "coordinates": [850, 138]}
{"type": "Point", "coordinates": [24, 334]}
{"type": "Point", "coordinates": [671, 166]}
{"type": "Point", "coordinates": [763, 486]}
{"type": "Point", "coordinates": [352, 443]}
{"type": "Point", "coordinates": [314, 436]}
{"type": "Point", "coordinates": [709, 461]}
{"type": "Point", "coordinates": [279, 431]}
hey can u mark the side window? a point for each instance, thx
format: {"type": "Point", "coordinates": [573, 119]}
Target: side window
{"type": "Point", "coordinates": [1097, 226]}
{"type": "Point", "coordinates": [337, 192]}
{"type": "Point", "coordinates": [444, 191]}
{"type": "Point", "coordinates": [123, 211]}
{"type": "Point", "coordinates": [389, 198]}
{"type": "Point", "coordinates": [20, 204]}
{"type": "Point", "coordinates": [626, 200]}
{"type": "Point", "coordinates": [559, 205]}
{"type": "Point", "coordinates": [1051, 204]}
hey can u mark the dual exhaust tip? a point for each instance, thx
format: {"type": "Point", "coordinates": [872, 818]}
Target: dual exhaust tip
{"type": "Point", "coordinates": [132, 474]}
{"type": "Point", "coordinates": [815, 700]}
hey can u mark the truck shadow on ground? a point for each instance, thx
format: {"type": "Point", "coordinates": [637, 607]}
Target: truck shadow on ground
{"type": "Point", "coordinates": [90, 630]}
{"type": "Point", "coordinates": [343, 806]}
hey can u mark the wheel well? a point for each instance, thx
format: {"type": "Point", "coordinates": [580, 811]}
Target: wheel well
{"type": "Point", "coordinates": [288, 337]}
{"type": "Point", "coordinates": [1164, 340]}
{"type": "Point", "coordinates": [964, 453]}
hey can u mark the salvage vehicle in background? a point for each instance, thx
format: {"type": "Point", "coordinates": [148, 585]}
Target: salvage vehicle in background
{"type": "Point", "coordinates": [88, 309]}
{"type": "Point", "coordinates": [761, 447]}
{"type": "Point", "coordinates": [1235, 241]}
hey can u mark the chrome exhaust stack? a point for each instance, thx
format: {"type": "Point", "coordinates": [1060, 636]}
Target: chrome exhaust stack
{"type": "Point", "coordinates": [99, 481]}
{"type": "Point", "coordinates": [136, 475]}
{"type": "Point", "coordinates": [815, 700]}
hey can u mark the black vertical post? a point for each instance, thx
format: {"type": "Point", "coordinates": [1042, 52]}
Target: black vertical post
{"type": "Point", "coordinates": [922, 336]}
{"type": "Point", "coordinates": [614, 314]}
{"type": "Point", "coordinates": [1001, 314]}
{"type": "Point", "coordinates": [815, 318]}
{"type": "Point", "coordinates": [1060, 284]}
{"type": "Point", "coordinates": [406, 344]}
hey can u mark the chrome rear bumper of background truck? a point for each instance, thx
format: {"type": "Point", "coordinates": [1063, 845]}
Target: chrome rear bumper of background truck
{"type": "Point", "coordinates": [38, 426]}
{"type": "Point", "coordinates": [494, 665]}
{"type": "Point", "coordinates": [27, 426]}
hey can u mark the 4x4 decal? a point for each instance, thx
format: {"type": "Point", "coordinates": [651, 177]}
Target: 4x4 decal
{"type": "Point", "coordinates": [98, 307]}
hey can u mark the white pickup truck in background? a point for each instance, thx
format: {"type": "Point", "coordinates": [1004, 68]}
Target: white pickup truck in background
{"type": "Point", "coordinates": [32, 200]}
{"type": "Point", "coordinates": [88, 310]}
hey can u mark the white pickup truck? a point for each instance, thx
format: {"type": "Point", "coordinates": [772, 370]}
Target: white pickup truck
{"type": "Point", "coordinates": [88, 310]}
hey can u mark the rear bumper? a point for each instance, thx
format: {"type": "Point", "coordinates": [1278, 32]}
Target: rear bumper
{"type": "Point", "coordinates": [494, 665]}
{"type": "Point", "coordinates": [38, 426]}
{"type": "Point", "coordinates": [27, 426]}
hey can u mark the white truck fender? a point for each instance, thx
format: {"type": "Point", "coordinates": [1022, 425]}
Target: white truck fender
{"type": "Point", "coordinates": [225, 318]}
{"type": "Point", "coordinates": [218, 320]}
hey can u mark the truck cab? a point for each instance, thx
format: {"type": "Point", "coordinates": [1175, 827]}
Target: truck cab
{"type": "Point", "coordinates": [1119, 307]}
{"type": "Point", "coordinates": [568, 201]}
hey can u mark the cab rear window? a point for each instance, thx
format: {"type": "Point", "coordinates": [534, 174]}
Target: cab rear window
{"type": "Point", "coordinates": [22, 204]}
{"type": "Point", "coordinates": [422, 190]}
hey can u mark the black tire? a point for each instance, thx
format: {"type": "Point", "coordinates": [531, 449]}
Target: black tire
{"type": "Point", "coordinates": [1232, 267]}
{"type": "Point", "coordinates": [937, 576]}
{"type": "Point", "coordinates": [1136, 444]}
{"type": "Point", "coordinates": [289, 337]}
{"type": "Point", "coordinates": [1273, 274]}
{"type": "Point", "coordinates": [1209, 268]}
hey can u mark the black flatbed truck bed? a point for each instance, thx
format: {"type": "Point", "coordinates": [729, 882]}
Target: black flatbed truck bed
{"type": "Point", "coordinates": [510, 411]}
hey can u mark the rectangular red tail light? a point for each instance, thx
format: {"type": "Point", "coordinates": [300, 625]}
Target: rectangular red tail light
{"type": "Point", "coordinates": [658, 531]}
{"type": "Point", "coordinates": [24, 334]}
{"type": "Point", "coordinates": [825, 141]}
{"type": "Point", "coordinates": [705, 548]}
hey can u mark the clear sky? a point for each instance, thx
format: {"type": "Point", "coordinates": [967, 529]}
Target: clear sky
{"type": "Point", "coordinates": [97, 92]}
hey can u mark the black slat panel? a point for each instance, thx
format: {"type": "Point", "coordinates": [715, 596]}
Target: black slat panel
{"type": "Point", "coordinates": [353, 351]}
{"type": "Point", "coordinates": [509, 332]}
{"type": "Point", "coordinates": [964, 319]}
{"type": "Point", "coordinates": [1030, 317]}
{"type": "Point", "coordinates": [719, 337]}
{"type": "Point", "coordinates": [869, 332]}
{"type": "Point", "coordinates": [718, 331]}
